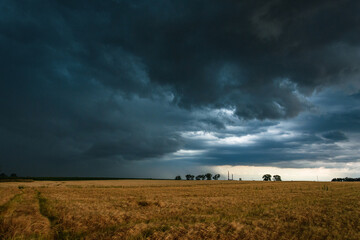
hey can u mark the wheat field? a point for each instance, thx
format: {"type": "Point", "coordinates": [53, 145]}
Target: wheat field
{"type": "Point", "coordinates": [169, 209]}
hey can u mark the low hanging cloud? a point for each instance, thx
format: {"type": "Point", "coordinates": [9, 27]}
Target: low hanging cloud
{"type": "Point", "coordinates": [335, 136]}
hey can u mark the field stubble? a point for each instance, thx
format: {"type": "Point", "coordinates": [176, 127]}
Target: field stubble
{"type": "Point", "coordinates": [150, 209]}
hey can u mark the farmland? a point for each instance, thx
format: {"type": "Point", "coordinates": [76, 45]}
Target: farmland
{"type": "Point", "coordinates": [168, 209]}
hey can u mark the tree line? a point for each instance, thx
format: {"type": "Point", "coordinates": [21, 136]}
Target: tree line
{"type": "Point", "coordinates": [346, 179]}
{"type": "Point", "coordinates": [207, 176]}
{"type": "Point", "coordinates": [3, 175]}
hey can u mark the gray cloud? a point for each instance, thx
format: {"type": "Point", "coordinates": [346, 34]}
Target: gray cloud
{"type": "Point", "coordinates": [133, 47]}
{"type": "Point", "coordinates": [335, 136]}
{"type": "Point", "coordinates": [86, 83]}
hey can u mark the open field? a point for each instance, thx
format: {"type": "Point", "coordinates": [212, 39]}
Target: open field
{"type": "Point", "coordinates": [160, 209]}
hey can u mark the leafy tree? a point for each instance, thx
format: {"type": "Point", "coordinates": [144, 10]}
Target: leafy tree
{"type": "Point", "coordinates": [208, 176]}
{"type": "Point", "coordinates": [216, 176]}
{"type": "Point", "coordinates": [200, 177]}
{"type": "Point", "coordinates": [189, 177]}
{"type": "Point", "coordinates": [3, 175]}
{"type": "Point", "coordinates": [178, 178]}
{"type": "Point", "coordinates": [267, 177]}
{"type": "Point", "coordinates": [13, 175]}
{"type": "Point", "coordinates": [276, 178]}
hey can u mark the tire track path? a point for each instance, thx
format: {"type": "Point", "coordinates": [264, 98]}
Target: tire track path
{"type": "Point", "coordinates": [20, 218]}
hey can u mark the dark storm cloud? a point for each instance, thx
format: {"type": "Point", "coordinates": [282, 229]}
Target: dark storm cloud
{"type": "Point", "coordinates": [356, 96]}
{"type": "Point", "coordinates": [213, 53]}
{"type": "Point", "coordinates": [89, 81]}
{"type": "Point", "coordinates": [335, 136]}
{"type": "Point", "coordinates": [265, 150]}
{"type": "Point", "coordinates": [326, 136]}
{"type": "Point", "coordinates": [298, 151]}
{"type": "Point", "coordinates": [224, 54]}
{"type": "Point", "coordinates": [347, 121]}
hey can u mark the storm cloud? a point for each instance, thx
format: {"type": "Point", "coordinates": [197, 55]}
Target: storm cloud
{"type": "Point", "coordinates": [90, 84]}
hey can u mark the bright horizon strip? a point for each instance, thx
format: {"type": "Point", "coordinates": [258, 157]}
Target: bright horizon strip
{"type": "Point", "coordinates": [250, 173]}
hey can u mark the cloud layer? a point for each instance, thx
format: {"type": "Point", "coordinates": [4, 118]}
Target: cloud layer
{"type": "Point", "coordinates": [87, 85]}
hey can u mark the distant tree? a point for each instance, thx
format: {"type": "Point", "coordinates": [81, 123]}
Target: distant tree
{"type": "Point", "coordinates": [3, 175]}
{"type": "Point", "coordinates": [200, 177]}
{"type": "Point", "coordinates": [178, 178]}
{"type": "Point", "coordinates": [190, 177]}
{"type": "Point", "coordinates": [276, 178]}
{"type": "Point", "coordinates": [216, 176]}
{"type": "Point", "coordinates": [267, 177]}
{"type": "Point", "coordinates": [208, 176]}
{"type": "Point", "coordinates": [13, 175]}
{"type": "Point", "coordinates": [347, 179]}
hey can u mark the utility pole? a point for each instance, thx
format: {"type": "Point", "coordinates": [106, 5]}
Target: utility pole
{"type": "Point", "coordinates": [232, 176]}
{"type": "Point", "coordinates": [228, 175]}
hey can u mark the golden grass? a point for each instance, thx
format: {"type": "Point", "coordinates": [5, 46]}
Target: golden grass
{"type": "Point", "coordinates": [6, 193]}
{"type": "Point", "coordinates": [21, 219]}
{"type": "Point", "coordinates": [150, 209]}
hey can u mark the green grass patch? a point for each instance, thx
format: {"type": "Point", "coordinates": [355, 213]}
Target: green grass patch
{"type": "Point", "coordinates": [45, 209]}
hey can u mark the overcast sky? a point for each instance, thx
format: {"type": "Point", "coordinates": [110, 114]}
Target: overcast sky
{"type": "Point", "coordinates": [156, 88]}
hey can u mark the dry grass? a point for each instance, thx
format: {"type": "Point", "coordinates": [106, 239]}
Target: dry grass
{"type": "Point", "coordinates": [6, 193]}
{"type": "Point", "coordinates": [21, 219]}
{"type": "Point", "coordinates": [147, 209]}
